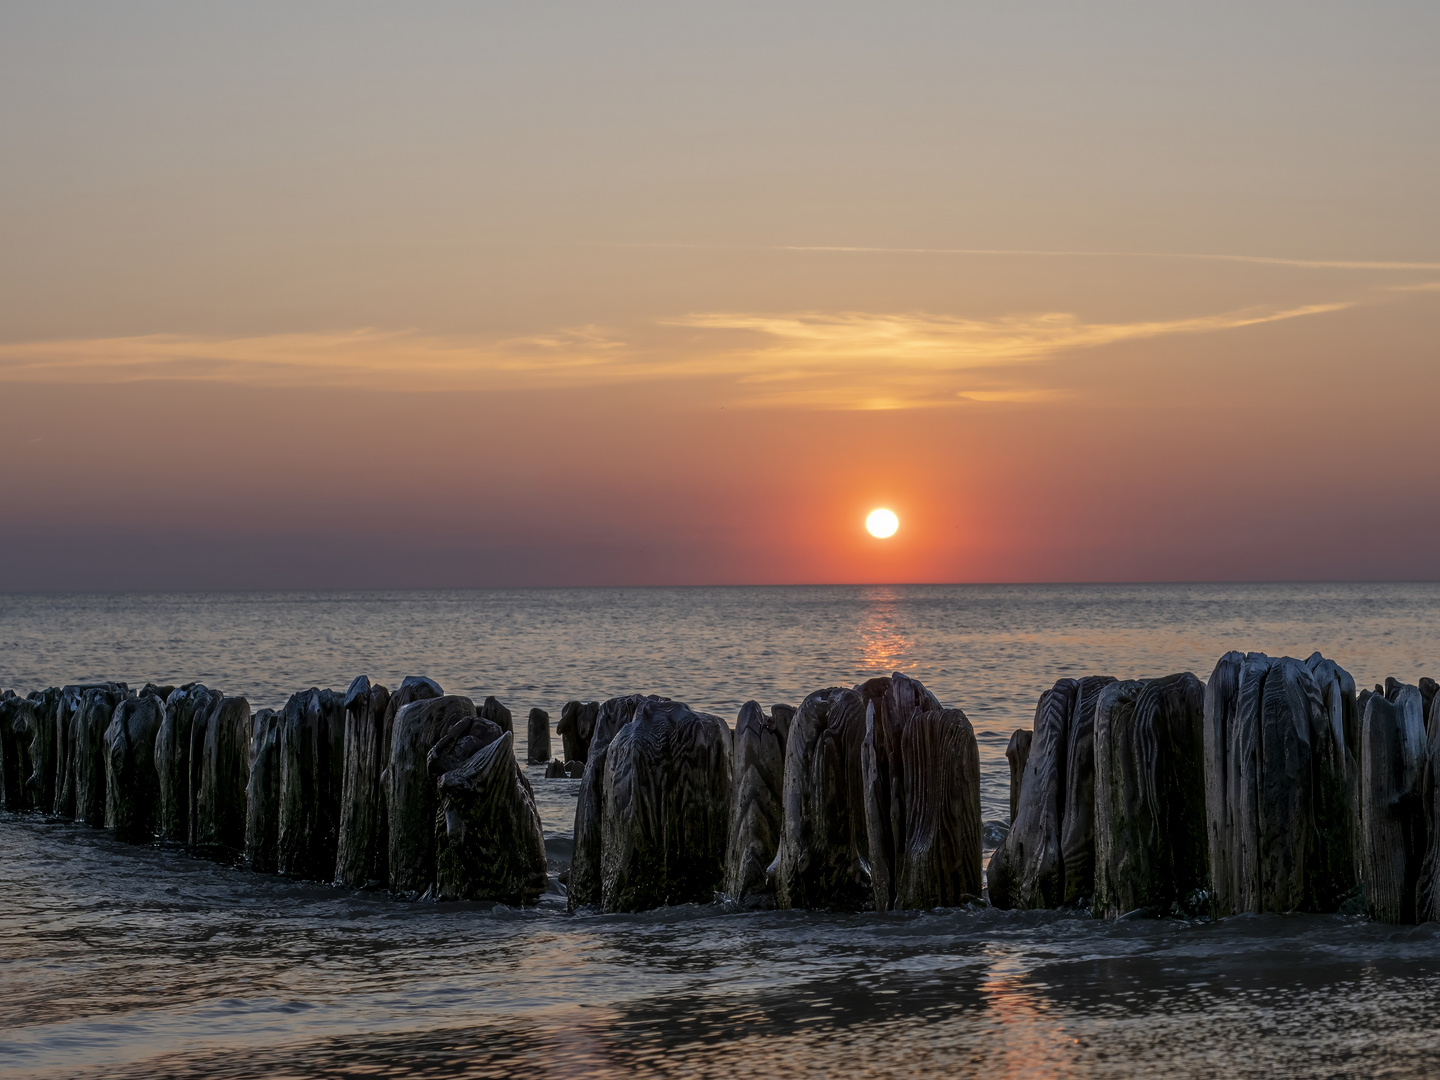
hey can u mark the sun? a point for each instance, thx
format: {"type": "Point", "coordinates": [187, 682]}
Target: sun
{"type": "Point", "coordinates": [882, 523]}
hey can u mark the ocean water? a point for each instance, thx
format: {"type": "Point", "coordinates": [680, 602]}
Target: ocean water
{"type": "Point", "coordinates": [124, 961]}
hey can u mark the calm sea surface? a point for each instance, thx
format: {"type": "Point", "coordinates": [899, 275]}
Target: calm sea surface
{"type": "Point", "coordinates": [122, 961]}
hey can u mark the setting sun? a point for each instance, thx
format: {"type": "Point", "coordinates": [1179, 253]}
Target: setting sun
{"type": "Point", "coordinates": [882, 523]}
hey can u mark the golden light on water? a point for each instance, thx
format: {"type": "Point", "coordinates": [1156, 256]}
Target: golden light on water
{"type": "Point", "coordinates": [882, 523]}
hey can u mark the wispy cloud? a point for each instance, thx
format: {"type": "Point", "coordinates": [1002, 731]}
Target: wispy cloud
{"type": "Point", "coordinates": [864, 360]}
{"type": "Point", "coordinates": [938, 342]}
{"type": "Point", "coordinates": [1261, 260]}
{"type": "Point", "coordinates": [365, 358]}
{"type": "Point", "coordinates": [854, 360]}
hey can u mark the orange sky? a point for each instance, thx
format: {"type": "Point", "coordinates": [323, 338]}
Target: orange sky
{"type": "Point", "coordinates": [497, 297]}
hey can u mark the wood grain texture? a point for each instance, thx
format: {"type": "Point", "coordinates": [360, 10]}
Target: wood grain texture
{"type": "Point", "coordinates": [91, 718]}
{"type": "Point", "coordinates": [42, 748]}
{"type": "Point", "coordinates": [585, 887]}
{"type": "Point", "coordinates": [71, 697]}
{"type": "Point", "coordinates": [1222, 694]}
{"type": "Point", "coordinates": [18, 721]}
{"type": "Point", "coordinates": [1332, 871]}
{"type": "Point", "coordinates": [360, 855]}
{"type": "Point", "coordinates": [1077, 813]}
{"type": "Point", "coordinates": [757, 815]}
{"type": "Point", "coordinates": [492, 709]}
{"type": "Point", "coordinates": [577, 727]}
{"type": "Point", "coordinates": [132, 786]}
{"type": "Point", "coordinates": [1427, 899]}
{"type": "Point", "coordinates": [890, 702]}
{"type": "Point", "coordinates": [262, 793]}
{"type": "Point", "coordinates": [412, 688]}
{"type": "Point", "coordinates": [938, 849]}
{"type": "Point", "coordinates": [1393, 760]}
{"type": "Point", "coordinates": [489, 844]}
{"type": "Point", "coordinates": [666, 809]}
{"type": "Point", "coordinates": [1279, 802]}
{"type": "Point", "coordinates": [206, 703]}
{"type": "Point", "coordinates": [1151, 850]}
{"type": "Point", "coordinates": [1017, 753]}
{"type": "Point", "coordinates": [312, 771]}
{"type": "Point", "coordinates": [537, 742]}
{"type": "Point", "coordinates": [1030, 873]}
{"type": "Point", "coordinates": [412, 797]}
{"type": "Point", "coordinates": [224, 764]}
{"type": "Point", "coordinates": [172, 762]}
{"type": "Point", "coordinates": [824, 849]}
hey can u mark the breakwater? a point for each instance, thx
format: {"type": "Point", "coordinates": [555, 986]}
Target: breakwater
{"type": "Point", "coordinates": [1273, 786]}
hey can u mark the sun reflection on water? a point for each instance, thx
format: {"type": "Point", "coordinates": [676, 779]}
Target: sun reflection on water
{"type": "Point", "coordinates": [885, 644]}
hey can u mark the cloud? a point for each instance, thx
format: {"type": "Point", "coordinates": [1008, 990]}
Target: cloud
{"type": "Point", "coordinates": [848, 360]}
{"type": "Point", "coordinates": [365, 358]}
{"type": "Point", "coordinates": [1261, 260]}
{"type": "Point", "coordinates": [863, 360]}
{"type": "Point", "coordinates": [946, 343]}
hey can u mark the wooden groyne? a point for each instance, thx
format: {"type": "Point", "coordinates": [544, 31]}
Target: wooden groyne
{"type": "Point", "coordinates": [1276, 786]}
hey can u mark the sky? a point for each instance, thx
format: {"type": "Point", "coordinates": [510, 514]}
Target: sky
{"type": "Point", "coordinates": [487, 294]}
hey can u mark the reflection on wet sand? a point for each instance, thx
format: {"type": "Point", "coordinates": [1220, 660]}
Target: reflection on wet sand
{"type": "Point", "coordinates": [188, 969]}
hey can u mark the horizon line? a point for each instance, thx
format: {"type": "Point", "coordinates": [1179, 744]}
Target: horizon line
{"type": "Point", "coordinates": [297, 589]}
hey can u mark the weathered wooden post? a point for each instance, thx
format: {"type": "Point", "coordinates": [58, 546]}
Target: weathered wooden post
{"type": "Point", "coordinates": [938, 848]}
{"type": "Point", "coordinates": [1394, 757]}
{"type": "Point", "coordinates": [132, 786]}
{"type": "Point", "coordinates": [1279, 823]}
{"type": "Point", "coordinates": [262, 793]}
{"type": "Point", "coordinates": [585, 865]}
{"type": "Point", "coordinates": [497, 714]}
{"type": "Point", "coordinates": [1150, 837]}
{"type": "Point", "coordinates": [172, 760]}
{"type": "Point", "coordinates": [18, 721]}
{"type": "Point", "coordinates": [666, 809]}
{"type": "Point", "coordinates": [889, 703]}
{"type": "Point", "coordinates": [756, 807]}
{"type": "Point", "coordinates": [206, 703]}
{"type": "Point", "coordinates": [361, 857]}
{"type": "Point", "coordinates": [1428, 891]}
{"type": "Point", "coordinates": [92, 717]}
{"type": "Point", "coordinates": [1077, 818]}
{"type": "Point", "coordinates": [43, 749]}
{"type": "Point", "coordinates": [823, 843]}
{"type": "Point", "coordinates": [412, 796]}
{"type": "Point", "coordinates": [537, 741]}
{"type": "Point", "coordinates": [312, 769]}
{"type": "Point", "coordinates": [66, 768]}
{"type": "Point", "coordinates": [489, 844]}
{"type": "Point", "coordinates": [577, 728]}
{"type": "Point", "coordinates": [1028, 870]}
{"type": "Point", "coordinates": [1017, 753]}
{"type": "Point", "coordinates": [224, 766]}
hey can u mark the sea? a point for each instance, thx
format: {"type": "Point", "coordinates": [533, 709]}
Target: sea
{"type": "Point", "coordinates": [124, 961]}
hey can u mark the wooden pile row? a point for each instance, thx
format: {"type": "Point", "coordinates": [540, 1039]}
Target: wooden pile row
{"type": "Point", "coordinates": [864, 797]}
{"type": "Point", "coordinates": [1274, 787]}
{"type": "Point", "coordinates": [415, 791]}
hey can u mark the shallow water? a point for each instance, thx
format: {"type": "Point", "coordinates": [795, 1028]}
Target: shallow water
{"type": "Point", "coordinates": [122, 961]}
